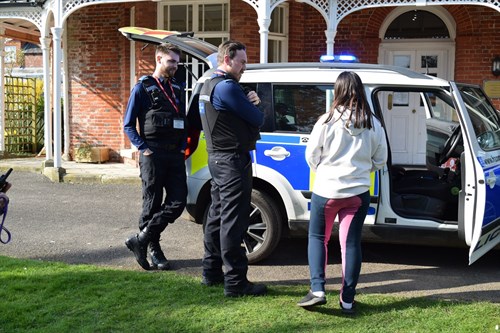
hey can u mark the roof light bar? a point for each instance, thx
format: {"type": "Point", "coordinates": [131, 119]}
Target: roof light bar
{"type": "Point", "coordinates": [338, 58]}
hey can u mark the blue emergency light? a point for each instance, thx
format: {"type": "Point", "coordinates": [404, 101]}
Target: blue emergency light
{"type": "Point", "coordinates": [338, 58]}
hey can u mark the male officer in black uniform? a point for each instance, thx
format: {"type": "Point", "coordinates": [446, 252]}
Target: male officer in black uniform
{"type": "Point", "coordinates": [231, 124]}
{"type": "Point", "coordinates": [155, 102]}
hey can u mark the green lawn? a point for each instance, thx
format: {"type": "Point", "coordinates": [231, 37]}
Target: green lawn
{"type": "Point", "coordinates": [37, 296]}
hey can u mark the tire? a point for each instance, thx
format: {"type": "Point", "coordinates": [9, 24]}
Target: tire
{"type": "Point", "coordinates": [264, 229]}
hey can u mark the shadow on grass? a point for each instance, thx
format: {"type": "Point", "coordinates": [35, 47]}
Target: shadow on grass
{"type": "Point", "coordinates": [55, 297]}
{"type": "Point", "coordinates": [394, 269]}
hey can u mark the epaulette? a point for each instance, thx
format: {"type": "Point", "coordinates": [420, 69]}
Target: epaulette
{"type": "Point", "coordinates": [151, 87]}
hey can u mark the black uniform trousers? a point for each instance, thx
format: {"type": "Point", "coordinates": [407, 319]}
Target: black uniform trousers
{"type": "Point", "coordinates": [163, 170]}
{"type": "Point", "coordinates": [227, 220]}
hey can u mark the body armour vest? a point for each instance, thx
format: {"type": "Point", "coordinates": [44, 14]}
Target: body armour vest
{"type": "Point", "coordinates": [162, 122]}
{"type": "Point", "coordinates": [223, 130]}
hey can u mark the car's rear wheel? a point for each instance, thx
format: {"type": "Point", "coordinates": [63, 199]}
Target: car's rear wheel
{"type": "Point", "coordinates": [264, 227]}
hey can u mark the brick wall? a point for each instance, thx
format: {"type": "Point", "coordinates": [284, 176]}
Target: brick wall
{"type": "Point", "coordinates": [244, 28]}
{"type": "Point", "coordinates": [477, 44]}
{"type": "Point", "coordinates": [145, 16]}
{"type": "Point", "coordinates": [98, 63]}
{"type": "Point", "coordinates": [307, 40]}
{"type": "Point", "coordinates": [357, 34]}
{"type": "Point", "coordinates": [477, 40]}
{"type": "Point", "coordinates": [98, 55]}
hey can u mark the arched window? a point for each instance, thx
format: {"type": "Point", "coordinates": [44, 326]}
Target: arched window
{"type": "Point", "coordinates": [417, 24]}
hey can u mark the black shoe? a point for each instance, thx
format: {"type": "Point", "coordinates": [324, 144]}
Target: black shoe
{"type": "Point", "coordinates": [351, 311]}
{"type": "Point", "coordinates": [250, 289]}
{"type": "Point", "coordinates": [139, 245]}
{"type": "Point", "coordinates": [158, 259]}
{"type": "Point", "coordinates": [210, 282]}
{"type": "Point", "coordinates": [311, 300]}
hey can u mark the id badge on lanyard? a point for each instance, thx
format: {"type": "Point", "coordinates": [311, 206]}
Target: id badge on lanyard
{"type": "Point", "coordinates": [178, 122]}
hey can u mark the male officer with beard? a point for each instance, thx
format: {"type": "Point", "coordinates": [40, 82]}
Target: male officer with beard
{"type": "Point", "coordinates": [155, 102]}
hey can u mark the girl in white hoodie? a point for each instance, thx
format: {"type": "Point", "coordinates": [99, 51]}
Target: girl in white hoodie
{"type": "Point", "coordinates": [345, 146]}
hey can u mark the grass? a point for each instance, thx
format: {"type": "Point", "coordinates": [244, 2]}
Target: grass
{"type": "Point", "coordinates": [37, 296]}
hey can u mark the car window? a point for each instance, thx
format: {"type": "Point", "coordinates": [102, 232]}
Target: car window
{"type": "Point", "coordinates": [441, 107]}
{"type": "Point", "coordinates": [297, 107]}
{"type": "Point", "coordinates": [485, 119]}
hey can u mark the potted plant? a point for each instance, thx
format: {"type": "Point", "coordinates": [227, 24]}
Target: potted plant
{"type": "Point", "coordinates": [87, 153]}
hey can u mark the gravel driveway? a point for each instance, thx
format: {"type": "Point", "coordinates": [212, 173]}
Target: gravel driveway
{"type": "Point", "coordinates": [88, 224]}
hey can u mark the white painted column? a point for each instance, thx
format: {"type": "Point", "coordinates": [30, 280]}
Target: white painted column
{"type": "Point", "coordinates": [2, 94]}
{"type": "Point", "coordinates": [330, 41]}
{"type": "Point", "coordinates": [264, 38]}
{"type": "Point", "coordinates": [331, 26]}
{"type": "Point", "coordinates": [264, 20]}
{"type": "Point", "coordinates": [47, 115]}
{"type": "Point", "coordinates": [65, 101]}
{"type": "Point", "coordinates": [56, 38]}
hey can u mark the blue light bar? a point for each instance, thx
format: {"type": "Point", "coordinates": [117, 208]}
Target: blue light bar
{"type": "Point", "coordinates": [338, 58]}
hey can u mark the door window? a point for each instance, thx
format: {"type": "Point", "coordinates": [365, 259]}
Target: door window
{"type": "Point", "coordinates": [441, 108]}
{"type": "Point", "coordinates": [208, 20]}
{"type": "Point", "coordinates": [485, 119]}
{"type": "Point", "coordinates": [298, 107]}
{"type": "Point", "coordinates": [417, 24]}
{"type": "Point", "coordinates": [278, 35]}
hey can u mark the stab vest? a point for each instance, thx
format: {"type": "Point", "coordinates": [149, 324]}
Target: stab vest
{"type": "Point", "coordinates": [224, 131]}
{"type": "Point", "coordinates": [158, 121]}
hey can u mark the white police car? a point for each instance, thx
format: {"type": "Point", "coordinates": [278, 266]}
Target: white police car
{"type": "Point", "coordinates": [441, 184]}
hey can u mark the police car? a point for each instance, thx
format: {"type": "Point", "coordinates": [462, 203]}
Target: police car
{"type": "Point", "coordinates": [441, 184]}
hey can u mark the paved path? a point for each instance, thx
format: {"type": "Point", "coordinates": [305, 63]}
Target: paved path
{"type": "Point", "coordinates": [83, 173]}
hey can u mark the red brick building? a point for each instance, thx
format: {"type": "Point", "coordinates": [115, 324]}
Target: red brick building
{"type": "Point", "coordinates": [102, 65]}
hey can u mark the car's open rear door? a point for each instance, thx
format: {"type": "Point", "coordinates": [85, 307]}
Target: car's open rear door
{"type": "Point", "coordinates": [184, 40]}
{"type": "Point", "coordinates": [479, 217]}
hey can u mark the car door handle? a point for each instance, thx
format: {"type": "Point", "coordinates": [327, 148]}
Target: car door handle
{"type": "Point", "coordinates": [491, 180]}
{"type": "Point", "coordinates": [277, 153]}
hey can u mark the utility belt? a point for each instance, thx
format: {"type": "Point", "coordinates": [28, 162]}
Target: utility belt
{"type": "Point", "coordinates": [163, 146]}
{"type": "Point", "coordinates": [229, 151]}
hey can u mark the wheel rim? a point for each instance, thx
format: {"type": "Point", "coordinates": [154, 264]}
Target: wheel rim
{"type": "Point", "coordinates": [256, 232]}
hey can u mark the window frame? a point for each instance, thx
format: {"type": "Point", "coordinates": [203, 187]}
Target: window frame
{"type": "Point", "coordinates": [280, 38]}
{"type": "Point", "coordinates": [224, 35]}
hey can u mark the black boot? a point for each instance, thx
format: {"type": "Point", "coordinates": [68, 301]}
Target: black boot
{"type": "Point", "coordinates": [139, 245]}
{"type": "Point", "coordinates": [157, 257]}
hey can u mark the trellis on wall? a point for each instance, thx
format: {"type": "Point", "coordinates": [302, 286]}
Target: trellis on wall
{"type": "Point", "coordinates": [23, 122]}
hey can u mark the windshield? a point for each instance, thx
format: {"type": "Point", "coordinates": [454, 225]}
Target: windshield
{"type": "Point", "coordinates": [485, 119]}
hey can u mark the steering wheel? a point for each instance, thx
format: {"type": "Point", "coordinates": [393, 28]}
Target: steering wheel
{"type": "Point", "coordinates": [450, 145]}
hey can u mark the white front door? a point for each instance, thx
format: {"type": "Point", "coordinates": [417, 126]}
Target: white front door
{"type": "Point", "coordinates": [403, 112]}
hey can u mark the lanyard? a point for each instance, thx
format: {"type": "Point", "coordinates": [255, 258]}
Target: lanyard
{"type": "Point", "coordinates": [174, 104]}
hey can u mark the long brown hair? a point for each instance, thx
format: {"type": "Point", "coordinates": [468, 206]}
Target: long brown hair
{"type": "Point", "coordinates": [349, 94]}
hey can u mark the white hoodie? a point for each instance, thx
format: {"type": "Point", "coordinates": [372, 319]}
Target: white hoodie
{"type": "Point", "coordinates": [343, 156]}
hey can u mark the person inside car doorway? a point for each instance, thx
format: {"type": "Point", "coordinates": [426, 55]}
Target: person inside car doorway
{"type": "Point", "coordinates": [155, 102]}
{"type": "Point", "coordinates": [345, 146]}
{"type": "Point", "coordinates": [231, 122]}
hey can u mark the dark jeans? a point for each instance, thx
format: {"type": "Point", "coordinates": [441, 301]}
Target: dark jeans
{"type": "Point", "coordinates": [351, 214]}
{"type": "Point", "coordinates": [227, 220]}
{"type": "Point", "coordinates": [163, 170]}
